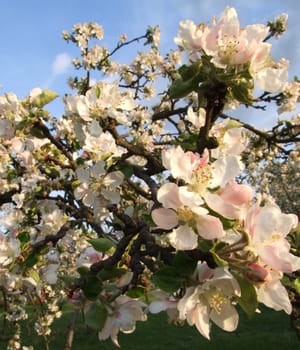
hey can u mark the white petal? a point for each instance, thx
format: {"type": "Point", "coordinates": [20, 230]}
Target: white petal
{"type": "Point", "coordinates": [183, 238]}
{"type": "Point", "coordinates": [165, 218]}
{"type": "Point", "coordinates": [168, 196]}
{"type": "Point", "coordinates": [201, 320]}
{"type": "Point", "coordinates": [224, 170]}
{"type": "Point", "coordinates": [275, 296]}
{"type": "Point", "coordinates": [227, 319]}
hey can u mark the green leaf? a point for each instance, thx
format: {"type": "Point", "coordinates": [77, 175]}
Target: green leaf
{"type": "Point", "coordinates": [34, 275]}
{"type": "Point", "coordinates": [184, 264]}
{"type": "Point", "coordinates": [83, 270]}
{"type": "Point", "coordinates": [136, 293]}
{"type": "Point", "coordinates": [51, 172]}
{"type": "Point", "coordinates": [102, 244]}
{"type": "Point", "coordinates": [296, 284]}
{"type": "Point", "coordinates": [242, 92]}
{"type": "Point", "coordinates": [107, 274]}
{"type": "Point", "coordinates": [95, 316]}
{"type": "Point", "coordinates": [92, 287]}
{"type": "Point", "coordinates": [189, 72]}
{"type": "Point", "coordinates": [181, 88]}
{"type": "Point", "coordinates": [31, 259]}
{"type": "Point", "coordinates": [68, 280]}
{"type": "Point", "coordinates": [127, 170]}
{"type": "Point", "coordinates": [218, 260]}
{"type": "Point", "coordinates": [168, 279]}
{"type": "Point", "coordinates": [44, 98]}
{"type": "Point", "coordinates": [214, 251]}
{"type": "Point", "coordinates": [23, 237]}
{"type": "Point", "coordinates": [248, 300]}
{"type": "Point", "coordinates": [37, 132]}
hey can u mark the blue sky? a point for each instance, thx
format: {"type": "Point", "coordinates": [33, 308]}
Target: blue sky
{"type": "Point", "coordinates": [33, 52]}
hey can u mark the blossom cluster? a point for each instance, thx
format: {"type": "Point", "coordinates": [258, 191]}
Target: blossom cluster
{"type": "Point", "coordinates": [120, 208]}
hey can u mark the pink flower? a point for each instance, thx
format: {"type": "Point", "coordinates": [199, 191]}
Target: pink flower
{"type": "Point", "coordinates": [232, 201]}
{"type": "Point", "coordinates": [267, 227]}
{"type": "Point", "coordinates": [183, 212]}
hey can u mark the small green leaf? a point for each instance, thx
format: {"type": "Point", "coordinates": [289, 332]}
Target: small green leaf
{"type": "Point", "coordinates": [23, 237]}
{"type": "Point", "coordinates": [92, 287]}
{"type": "Point", "coordinates": [102, 244]}
{"type": "Point", "coordinates": [296, 284]}
{"type": "Point", "coordinates": [218, 260]}
{"type": "Point", "coordinates": [181, 88]}
{"type": "Point", "coordinates": [184, 264]}
{"type": "Point", "coordinates": [34, 275]}
{"type": "Point", "coordinates": [189, 72]}
{"type": "Point", "coordinates": [167, 279]}
{"type": "Point", "coordinates": [242, 92]}
{"type": "Point", "coordinates": [44, 98]}
{"type": "Point", "coordinates": [31, 259]}
{"type": "Point", "coordinates": [214, 251]}
{"type": "Point", "coordinates": [95, 316]}
{"type": "Point", "coordinates": [137, 292]}
{"type": "Point", "coordinates": [107, 274]}
{"type": "Point", "coordinates": [51, 172]}
{"type": "Point", "coordinates": [68, 280]}
{"type": "Point", "coordinates": [248, 300]}
{"type": "Point", "coordinates": [233, 124]}
{"type": "Point", "coordinates": [83, 270]}
{"type": "Point", "coordinates": [37, 132]}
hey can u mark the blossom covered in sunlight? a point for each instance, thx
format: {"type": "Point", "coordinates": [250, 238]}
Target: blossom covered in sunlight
{"type": "Point", "coordinates": [268, 227]}
{"type": "Point", "coordinates": [211, 300]}
{"type": "Point", "coordinates": [227, 45]}
{"type": "Point", "coordinates": [147, 195]}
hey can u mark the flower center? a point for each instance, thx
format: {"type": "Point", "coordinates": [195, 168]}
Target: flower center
{"type": "Point", "coordinates": [216, 300]}
{"type": "Point", "coordinates": [184, 214]}
{"type": "Point", "coordinates": [201, 179]}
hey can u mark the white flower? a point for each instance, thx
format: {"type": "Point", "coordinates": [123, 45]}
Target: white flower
{"type": "Point", "coordinates": [211, 300]}
{"type": "Point", "coordinates": [9, 250]}
{"type": "Point", "coordinates": [126, 313]}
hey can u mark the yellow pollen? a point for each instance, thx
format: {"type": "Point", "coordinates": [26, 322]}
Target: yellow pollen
{"type": "Point", "coordinates": [216, 301]}
{"type": "Point", "coordinates": [184, 214]}
{"type": "Point", "coordinates": [201, 179]}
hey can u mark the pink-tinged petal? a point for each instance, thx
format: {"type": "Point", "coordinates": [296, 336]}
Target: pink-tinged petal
{"type": "Point", "coordinates": [165, 218]}
{"type": "Point", "coordinates": [275, 296]}
{"type": "Point", "coordinates": [227, 319]}
{"type": "Point", "coordinates": [201, 319]}
{"type": "Point", "coordinates": [217, 204]}
{"type": "Point", "coordinates": [183, 238]}
{"type": "Point", "coordinates": [236, 194]}
{"type": "Point", "coordinates": [209, 227]}
{"type": "Point", "coordinates": [277, 256]}
{"type": "Point", "coordinates": [168, 196]}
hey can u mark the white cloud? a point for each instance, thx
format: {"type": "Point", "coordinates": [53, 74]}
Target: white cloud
{"type": "Point", "coordinates": [61, 63]}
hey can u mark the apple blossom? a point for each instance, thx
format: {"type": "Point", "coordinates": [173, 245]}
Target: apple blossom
{"type": "Point", "coordinates": [211, 300]}
{"type": "Point", "coordinates": [138, 200]}
{"type": "Point", "coordinates": [126, 313]}
{"type": "Point", "coordinates": [268, 227]}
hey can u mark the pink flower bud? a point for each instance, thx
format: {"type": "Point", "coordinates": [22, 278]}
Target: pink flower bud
{"type": "Point", "coordinates": [257, 273]}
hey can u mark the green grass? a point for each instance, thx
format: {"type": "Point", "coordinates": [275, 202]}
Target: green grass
{"type": "Point", "coordinates": [267, 331]}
